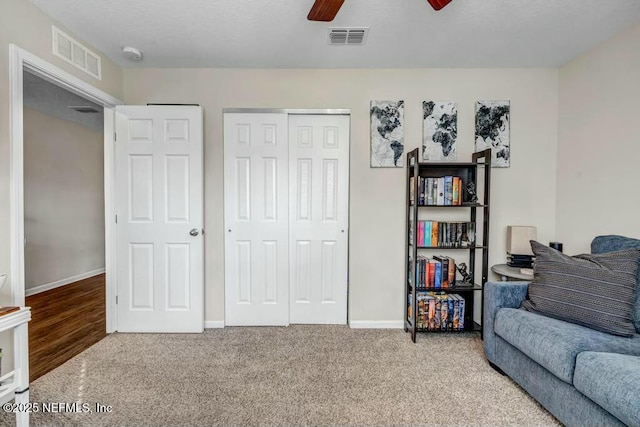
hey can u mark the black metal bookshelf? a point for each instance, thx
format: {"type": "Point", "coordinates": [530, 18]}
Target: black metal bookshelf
{"type": "Point", "coordinates": [468, 172]}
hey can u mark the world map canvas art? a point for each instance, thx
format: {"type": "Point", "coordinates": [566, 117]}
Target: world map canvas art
{"type": "Point", "coordinates": [492, 131]}
{"type": "Point", "coordinates": [439, 130]}
{"type": "Point", "coordinates": [387, 134]}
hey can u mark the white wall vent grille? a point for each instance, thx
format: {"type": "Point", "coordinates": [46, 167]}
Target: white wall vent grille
{"type": "Point", "coordinates": [348, 36]}
{"type": "Point", "coordinates": [75, 53]}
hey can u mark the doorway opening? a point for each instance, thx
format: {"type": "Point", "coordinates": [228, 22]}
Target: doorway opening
{"type": "Point", "coordinates": [24, 65]}
{"type": "Point", "coordinates": [64, 259]}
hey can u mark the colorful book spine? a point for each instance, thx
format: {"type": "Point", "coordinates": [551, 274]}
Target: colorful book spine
{"type": "Point", "coordinates": [448, 190]}
{"type": "Point", "coordinates": [452, 272]}
{"type": "Point", "coordinates": [445, 271]}
{"type": "Point", "coordinates": [444, 278]}
{"type": "Point", "coordinates": [434, 233]}
{"type": "Point", "coordinates": [423, 311]}
{"type": "Point", "coordinates": [444, 313]}
{"type": "Point", "coordinates": [432, 314]}
{"type": "Point", "coordinates": [432, 274]}
{"type": "Point", "coordinates": [456, 312]}
{"type": "Point", "coordinates": [461, 314]}
{"type": "Point", "coordinates": [456, 191]}
{"type": "Point", "coordinates": [427, 234]}
{"type": "Point", "coordinates": [440, 200]}
{"type": "Point", "coordinates": [434, 191]}
{"type": "Point", "coordinates": [451, 313]}
{"type": "Point", "coordinates": [438, 275]}
{"type": "Point", "coordinates": [429, 191]}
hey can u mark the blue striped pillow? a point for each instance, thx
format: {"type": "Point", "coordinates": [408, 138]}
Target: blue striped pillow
{"type": "Point", "coordinates": [593, 290]}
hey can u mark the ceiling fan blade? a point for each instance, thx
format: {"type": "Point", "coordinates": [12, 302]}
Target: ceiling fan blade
{"type": "Point", "coordinates": [438, 4]}
{"type": "Point", "coordinates": [324, 10]}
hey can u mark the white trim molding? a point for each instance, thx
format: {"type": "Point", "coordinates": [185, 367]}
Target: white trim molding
{"type": "Point", "coordinates": [213, 324]}
{"type": "Point", "coordinates": [109, 220]}
{"type": "Point", "coordinates": [16, 171]}
{"type": "Point", "coordinates": [20, 61]}
{"type": "Point", "coordinates": [62, 282]}
{"type": "Point", "coordinates": [376, 324]}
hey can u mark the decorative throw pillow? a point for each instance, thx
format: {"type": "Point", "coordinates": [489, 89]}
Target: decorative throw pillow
{"type": "Point", "coordinates": [596, 291]}
{"type": "Point", "coordinates": [611, 243]}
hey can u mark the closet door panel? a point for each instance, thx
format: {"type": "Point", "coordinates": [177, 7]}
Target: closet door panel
{"type": "Point", "coordinates": [256, 219]}
{"type": "Point", "coordinates": [319, 218]}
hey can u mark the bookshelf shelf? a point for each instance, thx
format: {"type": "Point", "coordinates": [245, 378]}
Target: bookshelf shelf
{"type": "Point", "coordinates": [476, 327]}
{"type": "Point", "coordinates": [452, 289]}
{"type": "Point", "coordinates": [465, 205]}
{"type": "Point", "coordinates": [449, 247]}
{"type": "Point", "coordinates": [455, 304]}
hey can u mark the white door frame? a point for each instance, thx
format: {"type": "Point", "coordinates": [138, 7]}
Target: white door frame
{"type": "Point", "coordinates": [19, 61]}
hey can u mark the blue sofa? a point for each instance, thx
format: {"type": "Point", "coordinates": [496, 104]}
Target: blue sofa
{"type": "Point", "coordinates": [582, 376]}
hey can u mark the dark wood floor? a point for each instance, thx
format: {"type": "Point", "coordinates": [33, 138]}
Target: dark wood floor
{"type": "Point", "coordinates": [64, 322]}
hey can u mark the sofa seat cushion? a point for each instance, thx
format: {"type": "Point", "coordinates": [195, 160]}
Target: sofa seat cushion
{"type": "Point", "coordinates": [612, 381]}
{"type": "Point", "coordinates": [553, 343]}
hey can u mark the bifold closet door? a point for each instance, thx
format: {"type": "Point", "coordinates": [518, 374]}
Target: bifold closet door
{"type": "Point", "coordinates": [319, 218]}
{"type": "Point", "coordinates": [256, 219]}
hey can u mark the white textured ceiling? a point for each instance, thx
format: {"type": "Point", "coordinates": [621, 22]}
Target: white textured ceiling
{"type": "Point", "coordinates": [404, 33]}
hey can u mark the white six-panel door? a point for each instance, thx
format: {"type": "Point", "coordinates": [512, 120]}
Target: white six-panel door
{"type": "Point", "coordinates": [256, 219]}
{"type": "Point", "coordinates": [319, 218]}
{"type": "Point", "coordinates": [159, 191]}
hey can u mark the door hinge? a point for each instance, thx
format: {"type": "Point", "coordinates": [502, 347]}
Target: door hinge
{"type": "Point", "coordinates": [116, 299]}
{"type": "Point", "coordinates": [116, 219]}
{"type": "Point", "coordinates": [115, 137]}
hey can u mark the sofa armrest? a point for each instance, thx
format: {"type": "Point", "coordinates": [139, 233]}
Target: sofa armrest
{"type": "Point", "coordinates": [499, 295]}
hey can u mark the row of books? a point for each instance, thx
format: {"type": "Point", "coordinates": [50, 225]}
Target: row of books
{"type": "Point", "coordinates": [442, 191]}
{"type": "Point", "coordinates": [437, 272]}
{"type": "Point", "coordinates": [439, 312]}
{"type": "Point", "coordinates": [446, 234]}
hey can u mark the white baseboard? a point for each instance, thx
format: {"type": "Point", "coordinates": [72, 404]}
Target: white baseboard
{"type": "Point", "coordinates": [376, 324]}
{"type": "Point", "coordinates": [213, 324]}
{"type": "Point", "coordinates": [356, 324]}
{"type": "Point", "coordinates": [63, 282]}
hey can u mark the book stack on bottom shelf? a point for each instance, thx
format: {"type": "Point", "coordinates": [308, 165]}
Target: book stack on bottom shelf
{"type": "Point", "coordinates": [438, 311]}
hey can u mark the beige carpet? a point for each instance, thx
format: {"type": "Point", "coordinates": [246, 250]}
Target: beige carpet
{"type": "Point", "coordinates": [311, 375]}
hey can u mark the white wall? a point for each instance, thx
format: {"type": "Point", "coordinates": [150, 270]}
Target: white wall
{"type": "Point", "coordinates": [63, 198]}
{"type": "Point", "coordinates": [521, 194]}
{"type": "Point", "coordinates": [23, 24]}
{"type": "Point", "coordinates": [599, 143]}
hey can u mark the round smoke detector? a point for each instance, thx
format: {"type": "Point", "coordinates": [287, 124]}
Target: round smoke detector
{"type": "Point", "coordinates": [132, 53]}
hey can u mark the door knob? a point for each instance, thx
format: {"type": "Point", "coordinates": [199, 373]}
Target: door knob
{"type": "Point", "coordinates": [194, 232]}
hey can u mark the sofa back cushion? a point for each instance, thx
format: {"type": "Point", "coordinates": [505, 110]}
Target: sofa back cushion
{"type": "Point", "coordinates": [596, 291]}
{"type": "Point", "coordinates": [612, 243]}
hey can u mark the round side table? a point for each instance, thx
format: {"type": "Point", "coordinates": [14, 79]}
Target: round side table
{"type": "Point", "coordinates": [512, 273]}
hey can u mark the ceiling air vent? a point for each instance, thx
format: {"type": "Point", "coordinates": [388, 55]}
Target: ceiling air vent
{"type": "Point", "coordinates": [75, 53]}
{"type": "Point", "coordinates": [348, 36]}
{"type": "Point", "coordinates": [83, 109]}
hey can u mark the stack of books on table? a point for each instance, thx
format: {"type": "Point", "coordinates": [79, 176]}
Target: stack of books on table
{"type": "Point", "coordinates": [520, 261]}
